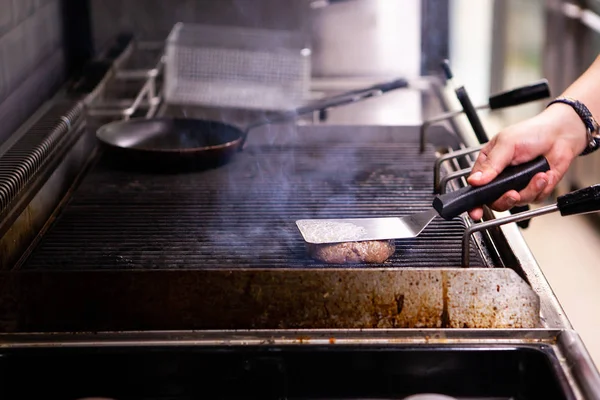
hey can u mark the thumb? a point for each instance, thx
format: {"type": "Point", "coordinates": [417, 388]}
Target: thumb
{"type": "Point", "coordinates": [492, 160]}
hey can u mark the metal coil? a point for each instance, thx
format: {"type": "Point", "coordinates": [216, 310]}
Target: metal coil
{"type": "Point", "coordinates": [26, 157]}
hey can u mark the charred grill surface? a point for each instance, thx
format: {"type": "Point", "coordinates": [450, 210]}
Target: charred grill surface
{"type": "Point", "coordinates": [242, 215]}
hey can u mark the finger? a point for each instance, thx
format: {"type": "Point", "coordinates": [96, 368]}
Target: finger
{"type": "Point", "coordinates": [476, 172]}
{"type": "Point", "coordinates": [491, 161]}
{"type": "Point", "coordinates": [507, 201]}
{"type": "Point", "coordinates": [553, 179]}
{"type": "Point", "coordinates": [476, 213]}
{"type": "Point", "coordinates": [559, 160]}
{"type": "Point", "coordinates": [534, 189]}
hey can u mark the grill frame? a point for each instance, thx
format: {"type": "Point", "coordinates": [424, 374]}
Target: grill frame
{"type": "Point", "coordinates": [304, 295]}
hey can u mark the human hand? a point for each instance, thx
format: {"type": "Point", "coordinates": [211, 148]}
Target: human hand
{"type": "Point", "coordinates": [557, 133]}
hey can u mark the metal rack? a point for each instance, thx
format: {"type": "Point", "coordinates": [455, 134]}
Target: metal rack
{"type": "Point", "coordinates": [135, 81]}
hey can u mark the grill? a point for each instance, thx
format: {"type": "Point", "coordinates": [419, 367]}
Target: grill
{"type": "Point", "coordinates": [242, 215]}
{"type": "Point", "coordinates": [212, 265]}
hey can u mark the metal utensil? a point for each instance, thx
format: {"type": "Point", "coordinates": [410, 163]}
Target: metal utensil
{"type": "Point", "coordinates": [578, 202]}
{"type": "Point", "coordinates": [448, 206]}
{"type": "Point", "coordinates": [229, 66]}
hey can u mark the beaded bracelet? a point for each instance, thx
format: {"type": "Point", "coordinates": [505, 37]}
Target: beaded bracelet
{"type": "Point", "coordinates": [592, 127]}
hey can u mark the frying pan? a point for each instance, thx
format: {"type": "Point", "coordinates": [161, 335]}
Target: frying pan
{"type": "Point", "coordinates": [178, 144]}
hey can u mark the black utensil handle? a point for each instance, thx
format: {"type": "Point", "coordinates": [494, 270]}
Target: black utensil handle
{"type": "Point", "coordinates": [352, 96]}
{"type": "Point", "coordinates": [93, 73]}
{"type": "Point", "coordinates": [447, 70]}
{"type": "Point", "coordinates": [346, 96]}
{"type": "Point", "coordinates": [395, 84]}
{"type": "Point", "coordinates": [471, 114]}
{"type": "Point", "coordinates": [581, 201]}
{"type": "Point", "coordinates": [532, 92]}
{"type": "Point", "coordinates": [330, 102]}
{"type": "Point", "coordinates": [452, 204]}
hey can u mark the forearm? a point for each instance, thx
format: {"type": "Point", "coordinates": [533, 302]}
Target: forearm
{"type": "Point", "coordinates": [558, 133]}
{"type": "Point", "coordinates": [586, 88]}
{"type": "Point", "coordinates": [563, 121]}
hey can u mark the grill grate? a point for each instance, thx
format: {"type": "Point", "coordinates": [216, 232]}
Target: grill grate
{"type": "Point", "coordinates": [243, 214]}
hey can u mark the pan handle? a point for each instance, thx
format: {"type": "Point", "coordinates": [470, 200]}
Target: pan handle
{"type": "Point", "coordinates": [329, 102]}
{"type": "Point", "coordinates": [352, 96]}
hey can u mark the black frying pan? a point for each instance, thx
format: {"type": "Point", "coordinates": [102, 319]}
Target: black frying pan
{"type": "Point", "coordinates": [175, 144]}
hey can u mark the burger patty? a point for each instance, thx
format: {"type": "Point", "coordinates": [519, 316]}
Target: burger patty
{"type": "Point", "coordinates": [370, 251]}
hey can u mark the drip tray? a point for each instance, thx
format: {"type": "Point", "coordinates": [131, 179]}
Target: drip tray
{"type": "Point", "coordinates": [269, 372]}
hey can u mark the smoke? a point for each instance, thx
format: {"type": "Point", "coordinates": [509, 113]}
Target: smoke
{"type": "Point", "coordinates": [285, 173]}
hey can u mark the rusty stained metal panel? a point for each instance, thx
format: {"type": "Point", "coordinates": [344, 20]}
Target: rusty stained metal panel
{"type": "Point", "coordinates": [18, 236]}
{"type": "Point", "coordinates": [498, 299]}
{"type": "Point", "coordinates": [265, 299]}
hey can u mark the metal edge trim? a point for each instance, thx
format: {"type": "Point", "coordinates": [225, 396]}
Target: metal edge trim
{"type": "Point", "coordinates": [579, 363]}
{"type": "Point", "coordinates": [550, 308]}
{"type": "Point", "coordinates": [281, 337]}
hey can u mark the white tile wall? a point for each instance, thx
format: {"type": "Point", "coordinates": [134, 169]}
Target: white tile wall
{"type": "Point", "coordinates": [5, 15]}
{"type": "Point", "coordinates": [29, 32]}
{"type": "Point", "coordinates": [21, 10]}
{"type": "Point", "coordinates": [30, 35]}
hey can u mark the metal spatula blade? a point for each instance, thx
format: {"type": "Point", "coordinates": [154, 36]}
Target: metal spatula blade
{"type": "Point", "coordinates": [321, 231]}
{"type": "Point", "coordinates": [448, 206]}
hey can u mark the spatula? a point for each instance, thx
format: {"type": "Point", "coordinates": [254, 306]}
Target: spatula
{"type": "Point", "coordinates": [448, 206]}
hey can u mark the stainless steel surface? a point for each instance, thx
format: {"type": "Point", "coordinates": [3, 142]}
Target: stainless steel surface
{"type": "Point", "coordinates": [147, 98]}
{"type": "Point", "coordinates": [452, 114]}
{"type": "Point", "coordinates": [225, 66]}
{"type": "Point", "coordinates": [133, 87]}
{"type": "Point", "coordinates": [576, 355]}
{"type": "Point", "coordinates": [572, 358]}
{"type": "Point", "coordinates": [372, 38]}
{"type": "Point", "coordinates": [552, 313]}
{"type": "Point", "coordinates": [442, 117]}
{"type": "Point", "coordinates": [298, 337]}
{"type": "Point", "coordinates": [321, 231]}
{"type": "Point", "coordinates": [375, 359]}
{"type": "Point", "coordinates": [500, 221]}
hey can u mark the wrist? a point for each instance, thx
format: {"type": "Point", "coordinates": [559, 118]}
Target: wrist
{"type": "Point", "coordinates": [564, 123]}
{"type": "Point", "coordinates": [592, 137]}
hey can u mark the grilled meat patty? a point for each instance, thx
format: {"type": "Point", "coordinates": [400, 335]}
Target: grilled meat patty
{"type": "Point", "coordinates": [370, 251]}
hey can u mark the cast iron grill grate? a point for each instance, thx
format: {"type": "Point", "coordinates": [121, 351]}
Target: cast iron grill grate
{"type": "Point", "coordinates": [242, 215]}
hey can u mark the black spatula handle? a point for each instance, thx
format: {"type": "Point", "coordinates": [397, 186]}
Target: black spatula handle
{"type": "Point", "coordinates": [517, 177]}
{"type": "Point", "coordinates": [581, 201]}
{"type": "Point", "coordinates": [532, 92]}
